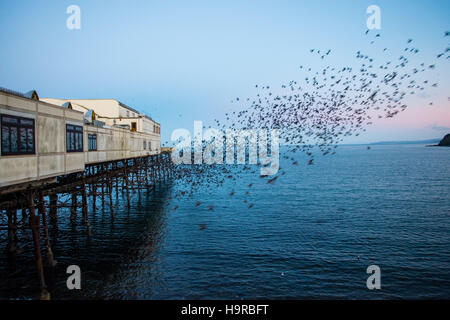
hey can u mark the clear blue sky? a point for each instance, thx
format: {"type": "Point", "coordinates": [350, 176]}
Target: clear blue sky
{"type": "Point", "coordinates": [182, 61]}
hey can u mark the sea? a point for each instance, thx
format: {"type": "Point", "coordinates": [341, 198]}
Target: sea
{"type": "Point", "coordinates": [310, 234]}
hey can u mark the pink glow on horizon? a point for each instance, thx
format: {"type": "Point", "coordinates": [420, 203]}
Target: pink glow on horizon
{"type": "Point", "coordinates": [417, 118]}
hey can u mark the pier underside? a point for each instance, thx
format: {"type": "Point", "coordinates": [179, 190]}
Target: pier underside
{"type": "Point", "coordinates": [38, 200]}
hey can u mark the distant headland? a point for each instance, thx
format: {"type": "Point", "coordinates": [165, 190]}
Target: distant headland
{"type": "Point", "coordinates": [445, 142]}
{"type": "Point", "coordinates": [426, 142]}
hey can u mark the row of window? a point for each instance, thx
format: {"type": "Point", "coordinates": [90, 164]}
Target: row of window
{"type": "Point", "coordinates": [92, 142]}
{"type": "Point", "coordinates": [74, 138]}
{"type": "Point", "coordinates": [149, 145]}
{"type": "Point", "coordinates": [156, 129]}
{"type": "Point", "coordinates": [18, 137]}
{"type": "Point", "coordinates": [133, 115]}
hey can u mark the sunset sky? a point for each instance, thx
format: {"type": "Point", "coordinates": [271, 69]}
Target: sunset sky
{"type": "Point", "coordinates": [181, 61]}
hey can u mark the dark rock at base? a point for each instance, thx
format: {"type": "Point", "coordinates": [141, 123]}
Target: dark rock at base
{"type": "Point", "coordinates": [445, 142]}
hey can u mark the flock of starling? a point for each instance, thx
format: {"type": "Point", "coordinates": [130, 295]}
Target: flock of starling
{"type": "Point", "coordinates": [320, 111]}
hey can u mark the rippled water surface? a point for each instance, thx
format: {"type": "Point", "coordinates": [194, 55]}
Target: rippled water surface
{"type": "Point", "coordinates": [311, 234]}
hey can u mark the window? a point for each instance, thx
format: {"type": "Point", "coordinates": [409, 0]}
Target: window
{"type": "Point", "coordinates": [92, 142]}
{"type": "Point", "coordinates": [150, 145]}
{"type": "Point", "coordinates": [133, 126]}
{"type": "Point", "coordinates": [74, 138]}
{"type": "Point", "coordinates": [17, 135]}
{"type": "Point", "coordinates": [145, 144]}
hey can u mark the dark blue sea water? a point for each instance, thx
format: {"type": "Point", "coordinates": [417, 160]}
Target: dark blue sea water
{"type": "Point", "coordinates": [310, 234]}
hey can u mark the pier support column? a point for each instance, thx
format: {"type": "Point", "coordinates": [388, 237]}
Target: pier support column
{"type": "Point", "coordinates": [94, 195]}
{"type": "Point", "coordinates": [85, 210]}
{"type": "Point", "coordinates": [116, 180]}
{"type": "Point", "coordinates": [165, 170]}
{"type": "Point", "coordinates": [161, 166]}
{"type": "Point", "coordinates": [146, 173]}
{"type": "Point", "coordinates": [103, 195]}
{"type": "Point", "coordinates": [138, 178]}
{"type": "Point", "coordinates": [23, 212]}
{"type": "Point", "coordinates": [73, 209]}
{"type": "Point", "coordinates": [12, 231]}
{"type": "Point", "coordinates": [153, 163]}
{"type": "Point", "coordinates": [127, 189]}
{"type": "Point", "coordinates": [110, 192]}
{"type": "Point", "coordinates": [53, 206]}
{"type": "Point", "coordinates": [34, 225]}
{"type": "Point", "coordinates": [43, 213]}
{"type": "Point", "coordinates": [121, 182]}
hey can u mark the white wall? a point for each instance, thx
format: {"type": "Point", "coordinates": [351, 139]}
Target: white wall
{"type": "Point", "coordinates": [50, 158]}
